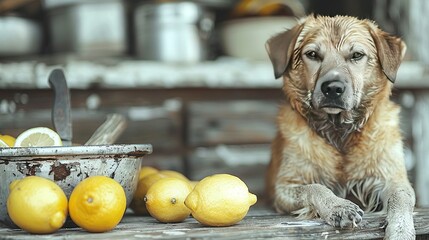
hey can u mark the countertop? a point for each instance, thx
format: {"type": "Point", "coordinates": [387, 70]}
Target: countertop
{"type": "Point", "coordinates": [260, 223]}
{"type": "Point", "coordinates": [129, 73]}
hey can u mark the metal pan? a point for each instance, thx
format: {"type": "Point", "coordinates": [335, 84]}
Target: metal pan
{"type": "Point", "coordinates": [68, 166]}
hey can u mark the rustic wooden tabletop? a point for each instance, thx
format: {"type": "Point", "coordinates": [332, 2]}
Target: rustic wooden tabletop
{"type": "Point", "coordinates": [260, 223]}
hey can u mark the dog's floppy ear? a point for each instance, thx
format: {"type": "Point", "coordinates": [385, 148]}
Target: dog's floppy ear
{"type": "Point", "coordinates": [280, 49]}
{"type": "Point", "coordinates": [390, 52]}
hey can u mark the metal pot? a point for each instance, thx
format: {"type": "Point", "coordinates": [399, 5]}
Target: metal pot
{"type": "Point", "coordinates": [88, 28]}
{"type": "Point", "coordinates": [173, 32]}
{"type": "Point", "coordinates": [68, 166]}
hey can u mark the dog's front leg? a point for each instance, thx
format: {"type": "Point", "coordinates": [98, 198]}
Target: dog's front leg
{"type": "Point", "coordinates": [316, 199]}
{"type": "Point", "coordinates": [399, 199]}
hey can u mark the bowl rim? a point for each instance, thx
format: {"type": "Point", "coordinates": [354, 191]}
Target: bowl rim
{"type": "Point", "coordinates": [134, 150]}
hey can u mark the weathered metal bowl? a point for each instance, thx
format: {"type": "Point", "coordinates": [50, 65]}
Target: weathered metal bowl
{"type": "Point", "coordinates": [67, 166]}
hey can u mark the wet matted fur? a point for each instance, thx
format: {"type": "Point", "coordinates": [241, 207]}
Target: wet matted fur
{"type": "Point", "coordinates": [339, 148]}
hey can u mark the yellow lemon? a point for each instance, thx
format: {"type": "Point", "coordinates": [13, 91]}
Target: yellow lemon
{"type": "Point", "coordinates": [3, 144]}
{"type": "Point", "coordinates": [165, 200]}
{"type": "Point", "coordinates": [171, 173]}
{"type": "Point", "coordinates": [38, 137]}
{"type": "Point", "coordinates": [37, 205]}
{"type": "Point", "coordinates": [97, 204]}
{"type": "Point", "coordinates": [138, 204]}
{"type": "Point", "coordinates": [148, 176]}
{"type": "Point", "coordinates": [220, 200]}
{"type": "Point", "coordinates": [147, 170]}
{"type": "Point", "coordinates": [9, 140]}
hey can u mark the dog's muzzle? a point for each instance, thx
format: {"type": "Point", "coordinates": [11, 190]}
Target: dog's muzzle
{"type": "Point", "coordinates": [333, 93]}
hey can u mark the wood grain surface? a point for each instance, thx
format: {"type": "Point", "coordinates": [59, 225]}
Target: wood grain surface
{"type": "Point", "coordinates": [260, 223]}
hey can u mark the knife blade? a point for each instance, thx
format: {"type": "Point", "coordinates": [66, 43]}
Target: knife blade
{"type": "Point", "coordinates": [61, 116]}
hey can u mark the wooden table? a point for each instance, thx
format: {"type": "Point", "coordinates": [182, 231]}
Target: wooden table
{"type": "Point", "coordinates": [260, 223]}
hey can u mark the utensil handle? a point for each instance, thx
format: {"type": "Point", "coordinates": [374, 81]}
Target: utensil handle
{"type": "Point", "coordinates": [109, 131]}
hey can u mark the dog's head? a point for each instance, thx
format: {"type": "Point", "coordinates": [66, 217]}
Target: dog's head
{"type": "Point", "coordinates": [333, 65]}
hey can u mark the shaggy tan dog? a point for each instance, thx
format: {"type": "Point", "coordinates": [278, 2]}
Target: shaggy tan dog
{"type": "Point", "coordinates": [339, 149]}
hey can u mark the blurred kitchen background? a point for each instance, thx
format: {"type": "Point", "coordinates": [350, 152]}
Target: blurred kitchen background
{"type": "Point", "coordinates": [191, 77]}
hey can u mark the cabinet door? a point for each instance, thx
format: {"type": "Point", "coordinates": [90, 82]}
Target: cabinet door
{"type": "Point", "coordinates": [231, 122]}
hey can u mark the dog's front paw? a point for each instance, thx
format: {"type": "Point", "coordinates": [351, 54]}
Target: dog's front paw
{"type": "Point", "coordinates": [400, 227]}
{"type": "Point", "coordinates": [344, 214]}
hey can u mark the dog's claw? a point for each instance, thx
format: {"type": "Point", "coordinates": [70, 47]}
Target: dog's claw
{"type": "Point", "coordinates": [346, 214]}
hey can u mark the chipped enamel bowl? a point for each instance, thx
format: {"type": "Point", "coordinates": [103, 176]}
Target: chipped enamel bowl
{"type": "Point", "coordinates": [67, 166]}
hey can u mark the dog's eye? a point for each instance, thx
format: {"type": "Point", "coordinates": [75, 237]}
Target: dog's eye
{"type": "Point", "coordinates": [312, 55]}
{"type": "Point", "coordinates": [357, 56]}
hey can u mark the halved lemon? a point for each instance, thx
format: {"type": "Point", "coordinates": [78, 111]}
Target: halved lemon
{"type": "Point", "coordinates": [38, 137]}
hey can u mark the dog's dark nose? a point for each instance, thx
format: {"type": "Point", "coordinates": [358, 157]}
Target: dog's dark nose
{"type": "Point", "coordinates": [333, 89]}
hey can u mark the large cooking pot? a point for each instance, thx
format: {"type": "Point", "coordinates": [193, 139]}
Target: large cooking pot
{"type": "Point", "coordinates": [68, 166]}
{"type": "Point", "coordinates": [173, 32]}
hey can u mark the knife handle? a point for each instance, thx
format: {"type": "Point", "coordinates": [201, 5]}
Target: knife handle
{"type": "Point", "coordinates": [61, 104]}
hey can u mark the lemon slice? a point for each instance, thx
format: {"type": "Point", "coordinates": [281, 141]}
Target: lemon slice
{"type": "Point", "coordinates": [38, 137]}
{"type": "Point", "coordinates": [3, 144]}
